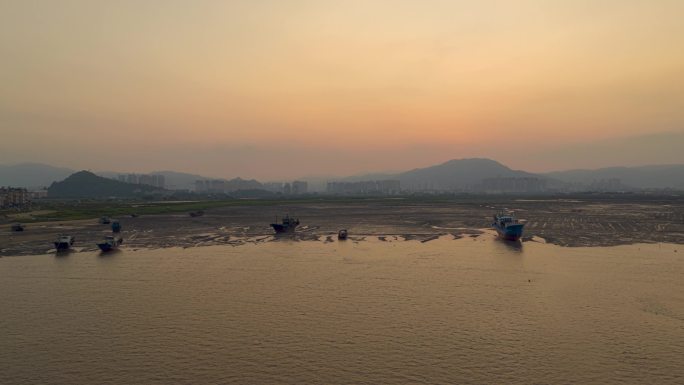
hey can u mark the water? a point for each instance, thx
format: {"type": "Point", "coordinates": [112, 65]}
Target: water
{"type": "Point", "coordinates": [446, 311]}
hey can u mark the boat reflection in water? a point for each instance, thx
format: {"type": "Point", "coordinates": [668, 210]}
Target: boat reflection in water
{"type": "Point", "coordinates": [516, 245]}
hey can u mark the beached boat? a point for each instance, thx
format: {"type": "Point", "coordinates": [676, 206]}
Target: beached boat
{"type": "Point", "coordinates": [110, 243]}
{"type": "Point", "coordinates": [105, 221]}
{"type": "Point", "coordinates": [116, 226]}
{"type": "Point", "coordinates": [508, 226]}
{"type": "Point", "coordinates": [64, 242]}
{"type": "Point", "coordinates": [342, 234]}
{"type": "Point", "coordinates": [17, 227]}
{"type": "Point", "coordinates": [287, 225]}
{"type": "Point", "coordinates": [197, 213]}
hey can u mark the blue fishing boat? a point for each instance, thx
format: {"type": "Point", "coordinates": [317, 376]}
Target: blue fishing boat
{"type": "Point", "coordinates": [508, 226]}
{"type": "Point", "coordinates": [110, 243]}
{"type": "Point", "coordinates": [287, 225]}
{"type": "Point", "coordinates": [116, 226]}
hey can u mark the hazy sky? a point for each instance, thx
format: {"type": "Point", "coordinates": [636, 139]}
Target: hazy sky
{"type": "Point", "coordinates": [287, 88]}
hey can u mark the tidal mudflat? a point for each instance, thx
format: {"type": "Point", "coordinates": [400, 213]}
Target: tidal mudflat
{"type": "Point", "coordinates": [567, 221]}
{"type": "Point", "coordinates": [467, 310]}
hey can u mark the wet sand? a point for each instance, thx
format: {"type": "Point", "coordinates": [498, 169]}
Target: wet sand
{"type": "Point", "coordinates": [565, 222]}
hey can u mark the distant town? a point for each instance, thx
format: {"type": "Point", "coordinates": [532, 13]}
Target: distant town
{"type": "Point", "coordinates": [469, 176]}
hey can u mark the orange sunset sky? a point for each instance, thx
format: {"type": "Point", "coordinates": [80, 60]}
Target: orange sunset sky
{"type": "Point", "coordinates": [283, 89]}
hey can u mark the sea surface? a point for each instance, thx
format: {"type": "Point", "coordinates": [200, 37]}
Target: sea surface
{"type": "Point", "coordinates": [466, 311]}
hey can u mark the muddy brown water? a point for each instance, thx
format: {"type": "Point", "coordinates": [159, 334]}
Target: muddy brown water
{"type": "Point", "coordinates": [471, 310]}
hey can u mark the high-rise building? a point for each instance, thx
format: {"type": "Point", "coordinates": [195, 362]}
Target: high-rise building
{"type": "Point", "coordinates": [299, 187]}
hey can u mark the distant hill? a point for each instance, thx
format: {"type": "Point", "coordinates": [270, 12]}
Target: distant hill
{"type": "Point", "coordinates": [457, 174]}
{"type": "Point", "coordinates": [658, 176]}
{"type": "Point", "coordinates": [454, 175]}
{"type": "Point", "coordinates": [85, 184]}
{"type": "Point", "coordinates": [31, 175]}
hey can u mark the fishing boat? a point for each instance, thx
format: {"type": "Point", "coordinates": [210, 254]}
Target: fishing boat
{"type": "Point", "coordinates": [110, 243]}
{"type": "Point", "coordinates": [116, 227]}
{"type": "Point", "coordinates": [197, 213]}
{"type": "Point", "coordinates": [17, 227]}
{"type": "Point", "coordinates": [342, 234]}
{"type": "Point", "coordinates": [105, 221]}
{"type": "Point", "coordinates": [508, 226]}
{"type": "Point", "coordinates": [287, 225]}
{"type": "Point", "coordinates": [64, 242]}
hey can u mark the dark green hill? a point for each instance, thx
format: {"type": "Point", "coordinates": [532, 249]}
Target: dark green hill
{"type": "Point", "coordinates": [85, 184]}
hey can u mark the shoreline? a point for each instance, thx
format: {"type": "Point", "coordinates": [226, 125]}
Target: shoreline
{"type": "Point", "coordinates": [567, 223]}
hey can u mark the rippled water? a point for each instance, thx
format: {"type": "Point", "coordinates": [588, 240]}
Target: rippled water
{"type": "Point", "coordinates": [446, 311]}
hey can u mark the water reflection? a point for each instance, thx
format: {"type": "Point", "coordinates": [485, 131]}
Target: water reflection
{"type": "Point", "coordinates": [109, 253]}
{"type": "Point", "coordinates": [515, 246]}
{"type": "Point", "coordinates": [62, 253]}
{"type": "Point", "coordinates": [452, 309]}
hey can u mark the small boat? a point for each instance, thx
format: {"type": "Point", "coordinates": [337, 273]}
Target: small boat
{"type": "Point", "coordinates": [197, 213]}
{"type": "Point", "coordinates": [110, 243]}
{"type": "Point", "coordinates": [116, 226]}
{"type": "Point", "coordinates": [287, 225]}
{"type": "Point", "coordinates": [105, 221]}
{"type": "Point", "coordinates": [342, 235]}
{"type": "Point", "coordinates": [508, 226]}
{"type": "Point", "coordinates": [17, 227]}
{"type": "Point", "coordinates": [64, 242]}
{"type": "Point", "coordinates": [134, 215]}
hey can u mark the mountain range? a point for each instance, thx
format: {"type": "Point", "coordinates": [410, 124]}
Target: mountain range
{"type": "Point", "coordinates": [32, 175]}
{"type": "Point", "coordinates": [457, 174]}
{"type": "Point", "coordinates": [85, 184]}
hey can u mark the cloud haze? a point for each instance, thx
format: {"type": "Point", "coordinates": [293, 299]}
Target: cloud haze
{"type": "Point", "coordinates": [273, 89]}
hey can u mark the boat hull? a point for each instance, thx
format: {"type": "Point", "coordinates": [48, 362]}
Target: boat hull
{"type": "Point", "coordinates": [61, 246]}
{"type": "Point", "coordinates": [511, 232]}
{"type": "Point", "coordinates": [280, 229]}
{"type": "Point", "coordinates": [106, 246]}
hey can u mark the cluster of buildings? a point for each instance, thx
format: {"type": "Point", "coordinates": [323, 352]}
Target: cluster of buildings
{"type": "Point", "coordinates": [381, 187]}
{"type": "Point", "coordinates": [210, 186]}
{"type": "Point", "coordinates": [146, 179]}
{"type": "Point", "coordinates": [221, 186]}
{"type": "Point", "coordinates": [608, 185]}
{"type": "Point", "coordinates": [514, 185]}
{"type": "Point", "coordinates": [12, 197]}
{"type": "Point", "coordinates": [295, 188]}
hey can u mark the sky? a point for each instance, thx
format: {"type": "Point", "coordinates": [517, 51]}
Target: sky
{"type": "Point", "coordinates": [284, 89]}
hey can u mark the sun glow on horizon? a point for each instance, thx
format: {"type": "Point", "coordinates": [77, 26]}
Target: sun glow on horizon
{"type": "Point", "coordinates": [390, 77]}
